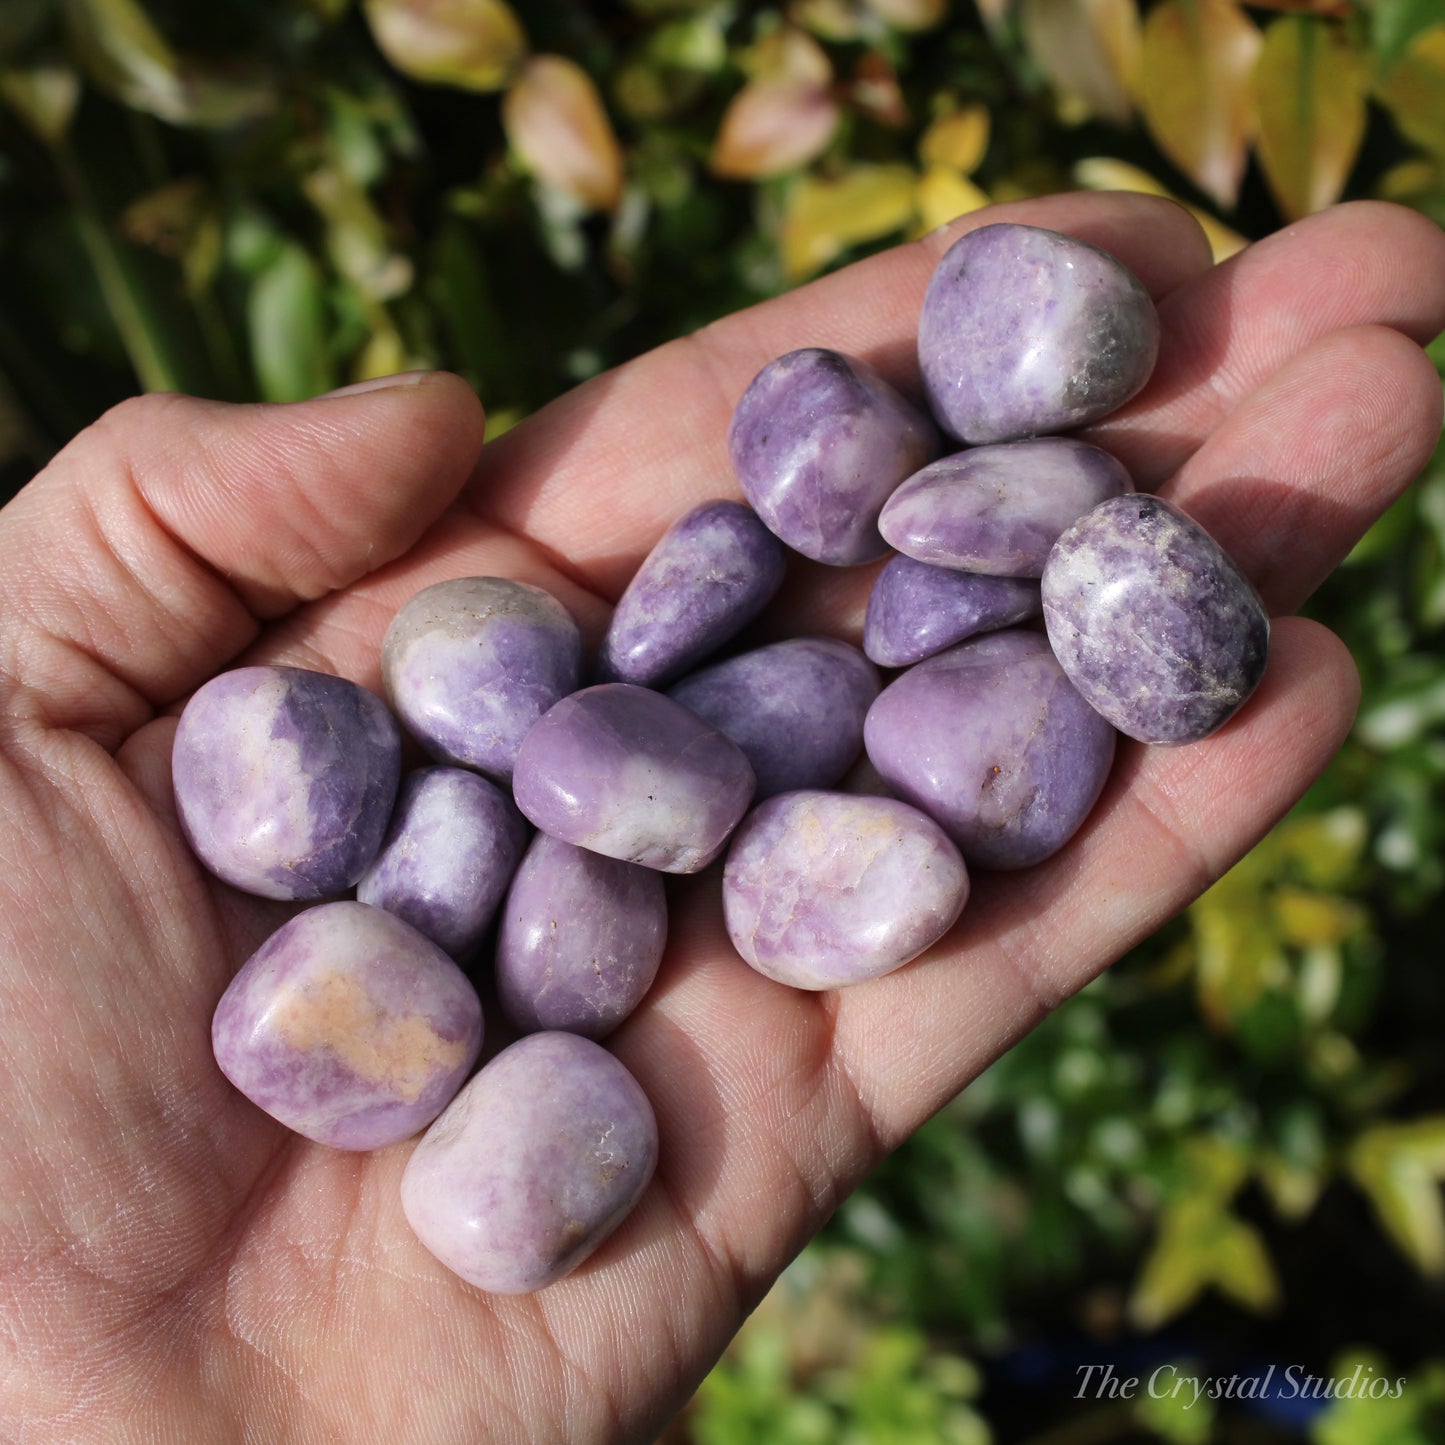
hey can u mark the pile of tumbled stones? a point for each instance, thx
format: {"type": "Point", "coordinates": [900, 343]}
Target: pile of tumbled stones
{"type": "Point", "coordinates": [354, 1023]}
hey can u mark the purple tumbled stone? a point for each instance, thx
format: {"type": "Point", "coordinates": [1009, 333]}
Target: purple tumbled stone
{"type": "Point", "coordinates": [628, 772]}
{"type": "Point", "coordinates": [827, 889]}
{"type": "Point", "coordinates": [712, 572]}
{"type": "Point", "coordinates": [470, 664]}
{"type": "Point", "coordinates": [285, 779]}
{"type": "Point", "coordinates": [915, 610]}
{"type": "Point", "coordinates": [1152, 622]}
{"type": "Point", "coordinates": [454, 842]}
{"type": "Point", "coordinates": [990, 739]}
{"type": "Point", "coordinates": [818, 441]}
{"type": "Point", "coordinates": [535, 1163]}
{"type": "Point", "coordinates": [1024, 331]}
{"type": "Point", "coordinates": [580, 939]}
{"type": "Point", "coordinates": [796, 709]}
{"type": "Point", "coordinates": [348, 1026]}
{"type": "Point", "coordinates": [998, 509]}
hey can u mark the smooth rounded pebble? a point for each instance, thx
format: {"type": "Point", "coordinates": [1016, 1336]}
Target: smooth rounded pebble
{"type": "Point", "coordinates": [535, 1163]}
{"type": "Point", "coordinates": [628, 772]}
{"type": "Point", "coordinates": [284, 779]}
{"type": "Point", "coordinates": [580, 940]}
{"type": "Point", "coordinates": [796, 709]}
{"type": "Point", "coordinates": [998, 509]}
{"type": "Point", "coordinates": [818, 441]}
{"type": "Point", "coordinates": [992, 741]}
{"type": "Point", "coordinates": [470, 664]}
{"type": "Point", "coordinates": [1024, 331]}
{"type": "Point", "coordinates": [827, 889]}
{"type": "Point", "coordinates": [1153, 623]}
{"type": "Point", "coordinates": [915, 610]}
{"type": "Point", "coordinates": [348, 1026]}
{"type": "Point", "coordinates": [712, 572]}
{"type": "Point", "coordinates": [451, 849]}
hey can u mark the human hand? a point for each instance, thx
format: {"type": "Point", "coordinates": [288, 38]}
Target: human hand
{"type": "Point", "coordinates": [173, 1264]}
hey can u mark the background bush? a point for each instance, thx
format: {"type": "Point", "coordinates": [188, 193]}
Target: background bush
{"type": "Point", "coordinates": [1227, 1153]}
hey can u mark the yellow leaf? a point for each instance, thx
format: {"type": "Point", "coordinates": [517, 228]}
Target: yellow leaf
{"type": "Point", "coordinates": [1088, 49]}
{"type": "Point", "coordinates": [787, 53]}
{"type": "Point", "coordinates": [1104, 173]}
{"type": "Point", "coordinates": [557, 126]}
{"type": "Point", "coordinates": [771, 127]}
{"type": "Point", "coordinates": [1242, 1269]}
{"type": "Point", "coordinates": [822, 218]}
{"type": "Point", "coordinates": [473, 44]}
{"type": "Point", "coordinates": [44, 97]}
{"type": "Point", "coordinates": [841, 20]}
{"type": "Point", "coordinates": [1307, 919]}
{"type": "Point", "coordinates": [944, 193]}
{"type": "Point", "coordinates": [910, 14]}
{"type": "Point", "coordinates": [958, 139]}
{"type": "Point", "coordinates": [1310, 94]}
{"type": "Point", "coordinates": [1196, 61]}
{"type": "Point", "coordinates": [1401, 1182]}
{"type": "Point", "coordinates": [1414, 91]}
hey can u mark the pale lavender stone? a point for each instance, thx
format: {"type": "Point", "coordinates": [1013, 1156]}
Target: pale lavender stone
{"type": "Point", "coordinates": [992, 741]}
{"type": "Point", "coordinates": [284, 779]}
{"type": "Point", "coordinates": [451, 849]}
{"type": "Point", "coordinates": [827, 889]}
{"type": "Point", "coordinates": [818, 441]}
{"type": "Point", "coordinates": [1024, 331]}
{"type": "Point", "coordinates": [629, 773]}
{"type": "Point", "coordinates": [348, 1026]}
{"type": "Point", "coordinates": [712, 572]}
{"type": "Point", "coordinates": [915, 610]}
{"type": "Point", "coordinates": [580, 939]}
{"type": "Point", "coordinates": [998, 509]}
{"type": "Point", "coordinates": [1153, 622]}
{"type": "Point", "coordinates": [796, 709]}
{"type": "Point", "coordinates": [470, 664]}
{"type": "Point", "coordinates": [535, 1163]}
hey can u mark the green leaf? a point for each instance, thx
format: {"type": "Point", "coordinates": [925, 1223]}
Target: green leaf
{"type": "Point", "coordinates": [1411, 90]}
{"type": "Point", "coordinates": [1395, 23]}
{"type": "Point", "coordinates": [1399, 1167]}
{"type": "Point", "coordinates": [44, 97]}
{"type": "Point", "coordinates": [286, 315]}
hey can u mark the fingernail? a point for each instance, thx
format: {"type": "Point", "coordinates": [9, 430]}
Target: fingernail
{"type": "Point", "coordinates": [379, 383]}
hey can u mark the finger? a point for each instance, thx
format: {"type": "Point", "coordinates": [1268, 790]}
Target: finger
{"type": "Point", "coordinates": [1294, 476]}
{"type": "Point", "coordinates": [142, 558]}
{"type": "Point", "coordinates": [597, 475]}
{"type": "Point", "coordinates": [1366, 263]}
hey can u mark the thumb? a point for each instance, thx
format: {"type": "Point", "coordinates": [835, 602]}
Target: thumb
{"type": "Point", "coordinates": [148, 553]}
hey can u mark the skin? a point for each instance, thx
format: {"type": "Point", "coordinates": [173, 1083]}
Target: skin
{"type": "Point", "coordinates": [173, 1265]}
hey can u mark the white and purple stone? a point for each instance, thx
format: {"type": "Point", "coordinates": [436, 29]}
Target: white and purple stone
{"type": "Point", "coordinates": [535, 1163]}
{"type": "Point", "coordinates": [998, 509]}
{"type": "Point", "coordinates": [827, 889]}
{"type": "Point", "coordinates": [796, 708]}
{"type": "Point", "coordinates": [1153, 623]}
{"type": "Point", "coordinates": [284, 779]}
{"type": "Point", "coordinates": [712, 572]}
{"type": "Point", "coordinates": [454, 842]}
{"type": "Point", "coordinates": [349, 1027]}
{"type": "Point", "coordinates": [631, 774]}
{"type": "Point", "coordinates": [992, 741]}
{"type": "Point", "coordinates": [1024, 331]}
{"type": "Point", "coordinates": [915, 610]}
{"type": "Point", "coordinates": [471, 663]}
{"type": "Point", "coordinates": [818, 441]}
{"type": "Point", "coordinates": [580, 939]}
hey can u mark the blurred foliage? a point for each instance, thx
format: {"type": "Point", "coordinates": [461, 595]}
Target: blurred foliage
{"type": "Point", "coordinates": [1229, 1151]}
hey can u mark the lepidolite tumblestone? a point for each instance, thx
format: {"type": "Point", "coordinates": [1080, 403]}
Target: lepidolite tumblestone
{"type": "Point", "coordinates": [449, 853]}
{"type": "Point", "coordinates": [535, 1163]}
{"type": "Point", "coordinates": [348, 1026]}
{"type": "Point", "coordinates": [470, 664]}
{"type": "Point", "coordinates": [915, 610]}
{"type": "Point", "coordinates": [796, 709]}
{"type": "Point", "coordinates": [827, 889]}
{"type": "Point", "coordinates": [998, 509]}
{"type": "Point", "coordinates": [1153, 622]}
{"type": "Point", "coordinates": [818, 441]}
{"type": "Point", "coordinates": [580, 939]}
{"type": "Point", "coordinates": [711, 573]}
{"type": "Point", "coordinates": [1024, 331]}
{"type": "Point", "coordinates": [285, 779]}
{"type": "Point", "coordinates": [992, 741]}
{"type": "Point", "coordinates": [627, 772]}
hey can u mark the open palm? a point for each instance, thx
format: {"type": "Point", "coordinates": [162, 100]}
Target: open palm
{"type": "Point", "coordinates": [174, 1265]}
